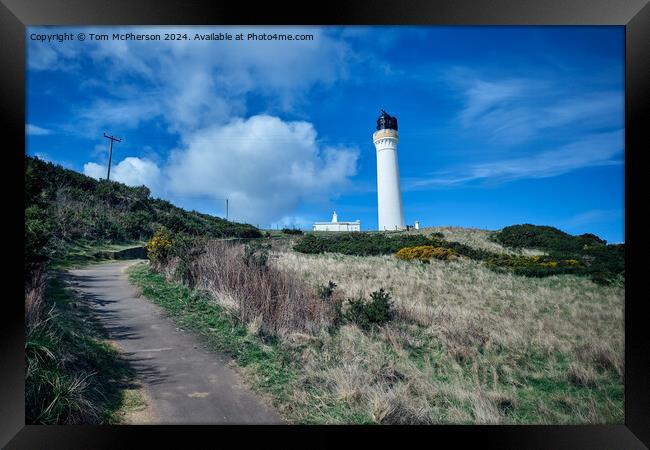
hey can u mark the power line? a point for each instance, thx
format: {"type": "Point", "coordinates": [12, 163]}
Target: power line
{"type": "Point", "coordinates": [110, 154]}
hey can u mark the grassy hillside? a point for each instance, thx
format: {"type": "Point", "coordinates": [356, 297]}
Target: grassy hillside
{"type": "Point", "coordinates": [457, 342]}
{"type": "Point", "coordinates": [64, 207]}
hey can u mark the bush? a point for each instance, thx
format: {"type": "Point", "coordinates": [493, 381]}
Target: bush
{"type": "Point", "coordinates": [367, 314]}
{"type": "Point", "coordinates": [159, 246]}
{"type": "Point", "coordinates": [361, 244]}
{"type": "Point", "coordinates": [256, 255]}
{"type": "Point", "coordinates": [39, 228]}
{"type": "Point", "coordinates": [424, 253]}
{"type": "Point", "coordinates": [546, 238]}
{"type": "Point", "coordinates": [366, 244]}
{"type": "Point", "coordinates": [186, 249]}
{"type": "Point", "coordinates": [291, 231]}
{"type": "Point", "coordinates": [326, 291]}
{"type": "Point", "coordinates": [585, 254]}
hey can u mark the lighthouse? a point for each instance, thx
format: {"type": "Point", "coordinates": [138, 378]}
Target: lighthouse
{"type": "Point", "coordinates": [389, 194]}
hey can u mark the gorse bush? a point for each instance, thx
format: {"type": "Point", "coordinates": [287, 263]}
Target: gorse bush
{"type": "Point", "coordinates": [291, 231]}
{"type": "Point", "coordinates": [362, 244]}
{"type": "Point", "coordinates": [367, 244]}
{"type": "Point", "coordinates": [186, 249]}
{"type": "Point", "coordinates": [159, 246]}
{"type": "Point", "coordinates": [256, 255]}
{"type": "Point", "coordinates": [368, 313]}
{"type": "Point", "coordinates": [536, 266]}
{"type": "Point", "coordinates": [585, 254]}
{"type": "Point", "coordinates": [39, 228]}
{"type": "Point", "coordinates": [424, 253]}
{"type": "Point", "coordinates": [546, 238]}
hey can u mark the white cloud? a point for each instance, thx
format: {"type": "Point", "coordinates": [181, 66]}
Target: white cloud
{"type": "Point", "coordinates": [512, 111]}
{"type": "Point", "coordinates": [600, 149]}
{"type": "Point", "coordinates": [195, 84]}
{"type": "Point", "coordinates": [200, 90]}
{"type": "Point", "coordinates": [34, 130]}
{"type": "Point", "coordinates": [265, 166]}
{"type": "Point", "coordinates": [131, 171]}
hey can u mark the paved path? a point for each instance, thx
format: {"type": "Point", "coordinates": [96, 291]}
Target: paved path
{"type": "Point", "coordinates": [184, 382]}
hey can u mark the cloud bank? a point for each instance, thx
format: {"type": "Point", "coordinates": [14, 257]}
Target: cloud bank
{"type": "Point", "coordinates": [263, 165]}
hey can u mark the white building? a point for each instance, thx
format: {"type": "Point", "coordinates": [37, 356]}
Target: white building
{"type": "Point", "coordinates": [335, 225]}
{"type": "Point", "coordinates": [389, 194]}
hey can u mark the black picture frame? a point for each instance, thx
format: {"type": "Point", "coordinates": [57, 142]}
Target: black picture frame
{"type": "Point", "coordinates": [634, 15]}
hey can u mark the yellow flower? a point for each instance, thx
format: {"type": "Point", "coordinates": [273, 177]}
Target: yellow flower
{"type": "Point", "coordinates": [425, 253]}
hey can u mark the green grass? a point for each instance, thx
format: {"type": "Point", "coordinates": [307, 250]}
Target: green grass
{"type": "Point", "coordinates": [84, 252]}
{"type": "Point", "coordinates": [72, 374]}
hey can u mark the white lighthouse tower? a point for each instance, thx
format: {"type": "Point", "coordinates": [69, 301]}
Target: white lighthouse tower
{"type": "Point", "coordinates": [389, 194]}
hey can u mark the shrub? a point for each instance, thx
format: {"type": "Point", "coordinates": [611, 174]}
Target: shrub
{"type": "Point", "coordinates": [186, 249]}
{"type": "Point", "coordinates": [534, 266]}
{"type": "Point", "coordinates": [366, 314]}
{"type": "Point", "coordinates": [325, 291]}
{"type": "Point", "coordinates": [291, 231]}
{"type": "Point", "coordinates": [256, 255]}
{"type": "Point", "coordinates": [39, 229]}
{"type": "Point", "coordinates": [361, 244]}
{"type": "Point", "coordinates": [585, 254]}
{"type": "Point", "coordinates": [159, 246]}
{"type": "Point", "coordinates": [546, 238]}
{"type": "Point", "coordinates": [424, 253]}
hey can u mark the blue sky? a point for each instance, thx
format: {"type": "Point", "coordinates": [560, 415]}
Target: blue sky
{"type": "Point", "coordinates": [498, 125]}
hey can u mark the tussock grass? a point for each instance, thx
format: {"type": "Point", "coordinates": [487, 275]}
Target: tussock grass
{"type": "Point", "coordinates": [473, 346]}
{"type": "Point", "coordinates": [270, 299]}
{"type": "Point", "coordinates": [72, 376]}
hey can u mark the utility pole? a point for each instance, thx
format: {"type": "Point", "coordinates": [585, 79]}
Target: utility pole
{"type": "Point", "coordinates": [110, 154]}
{"type": "Point", "coordinates": [226, 200]}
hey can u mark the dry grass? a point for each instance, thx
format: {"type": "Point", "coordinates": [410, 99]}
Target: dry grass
{"type": "Point", "coordinates": [476, 238]}
{"type": "Point", "coordinates": [468, 345]}
{"type": "Point", "coordinates": [34, 290]}
{"type": "Point", "coordinates": [266, 298]}
{"type": "Point", "coordinates": [468, 305]}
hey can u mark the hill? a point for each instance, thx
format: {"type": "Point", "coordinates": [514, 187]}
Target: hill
{"type": "Point", "coordinates": [64, 207]}
{"type": "Point", "coordinates": [339, 329]}
{"type": "Point", "coordinates": [527, 250]}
